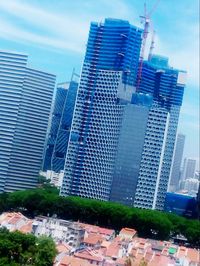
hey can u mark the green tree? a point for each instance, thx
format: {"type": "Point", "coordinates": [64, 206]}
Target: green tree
{"type": "Point", "coordinates": [17, 249]}
{"type": "Point", "coordinates": [46, 252]}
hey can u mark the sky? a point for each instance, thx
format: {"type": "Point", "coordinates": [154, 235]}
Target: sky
{"type": "Point", "coordinates": [54, 35]}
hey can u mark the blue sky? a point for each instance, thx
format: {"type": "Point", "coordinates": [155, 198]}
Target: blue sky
{"type": "Point", "coordinates": [54, 34]}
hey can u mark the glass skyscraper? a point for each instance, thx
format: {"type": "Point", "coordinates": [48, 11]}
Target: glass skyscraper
{"type": "Point", "coordinates": [26, 97]}
{"type": "Point", "coordinates": [107, 82]}
{"type": "Point", "coordinates": [140, 152]}
{"type": "Point", "coordinates": [129, 150]}
{"type": "Point", "coordinates": [121, 143]}
{"type": "Point", "coordinates": [177, 160]}
{"type": "Point", "coordinates": [58, 136]}
{"type": "Point", "coordinates": [166, 85]}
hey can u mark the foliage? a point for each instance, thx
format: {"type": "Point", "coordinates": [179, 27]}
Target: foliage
{"type": "Point", "coordinates": [17, 249]}
{"type": "Point", "coordinates": [148, 223]}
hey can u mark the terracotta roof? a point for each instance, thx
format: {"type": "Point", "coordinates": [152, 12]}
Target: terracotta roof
{"type": "Point", "coordinates": [27, 228]}
{"type": "Point", "coordinates": [63, 248]}
{"type": "Point", "coordinates": [93, 239]}
{"type": "Point", "coordinates": [97, 229]}
{"type": "Point", "coordinates": [113, 250]}
{"type": "Point", "coordinates": [105, 244]}
{"type": "Point", "coordinates": [88, 255]}
{"type": "Point", "coordinates": [72, 261]}
{"type": "Point", "coordinates": [11, 217]}
{"type": "Point", "coordinates": [193, 255]}
{"type": "Point", "coordinates": [128, 231]}
{"type": "Point", "coordinates": [121, 261]}
{"type": "Point", "coordinates": [148, 256]}
{"type": "Point", "coordinates": [161, 260]}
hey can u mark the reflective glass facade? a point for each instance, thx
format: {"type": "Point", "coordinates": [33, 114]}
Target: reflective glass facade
{"type": "Point", "coordinates": [25, 96]}
{"type": "Point", "coordinates": [177, 160]}
{"type": "Point", "coordinates": [130, 147]}
{"type": "Point", "coordinates": [108, 76]}
{"type": "Point", "coordinates": [60, 126]}
{"type": "Point", "coordinates": [166, 85]}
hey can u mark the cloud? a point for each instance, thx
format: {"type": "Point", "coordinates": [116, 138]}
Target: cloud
{"type": "Point", "coordinates": [182, 48]}
{"type": "Point", "coordinates": [190, 111]}
{"type": "Point", "coordinates": [8, 31]}
{"type": "Point", "coordinates": [61, 32]}
{"type": "Point", "coordinates": [26, 22]}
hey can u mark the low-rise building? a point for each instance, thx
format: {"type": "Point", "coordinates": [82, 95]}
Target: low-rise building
{"type": "Point", "coordinates": [15, 221]}
{"type": "Point", "coordinates": [59, 230]}
{"type": "Point", "coordinates": [80, 244]}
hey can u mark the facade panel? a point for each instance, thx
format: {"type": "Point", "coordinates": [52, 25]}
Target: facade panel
{"type": "Point", "coordinates": [58, 137]}
{"type": "Point", "coordinates": [109, 72]}
{"type": "Point", "coordinates": [28, 122]}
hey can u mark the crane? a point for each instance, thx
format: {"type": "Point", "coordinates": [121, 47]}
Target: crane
{"type": "Point", "coordinates": [145, 20]}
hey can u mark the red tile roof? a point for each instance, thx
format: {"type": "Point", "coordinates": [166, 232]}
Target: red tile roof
{"type": "Point", "coordinates": [128, 231]}
{"type": "Point", "coordinates": [88, 255]}
{"type": "Point", "coordinates": [93, 239]}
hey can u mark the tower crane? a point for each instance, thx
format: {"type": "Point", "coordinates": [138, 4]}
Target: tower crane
{"type": "Point", "coordinates": [145, 20]}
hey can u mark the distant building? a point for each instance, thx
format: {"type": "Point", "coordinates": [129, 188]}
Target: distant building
{"type": "Point", "coordinates": [192, 186]}
{"type": "Point", "coordinates": [55, 178]}
{"type": "Point", "coordinates": [26, 97]}
{"type": "Point", "coordinates": [181, 204]}
{"type": "Point", "coordinates": [177, 160]}
{"type": "Point", "coordinates": [57, 142]}
{"type": "Point", "coordinates": [189, 168]}
{"type": "Point", "coordinates": [198, 203]}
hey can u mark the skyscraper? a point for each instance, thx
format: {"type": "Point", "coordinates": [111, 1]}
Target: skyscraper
{"type": "Point", "coordinates": [130, 148]}
{"type": "Point", "coordinates": [167, 87]}
{"type": "Point", "coordinates": [189, 167]}
{"type": "Point", "coordinates": [58, 138]}
{"type": "Point", "coordinates": [25, 96]}
{"type": "Point", "coordinates": [140, 152]}
{"type": "Point", "coordinates": [108, 75]}
{"type": "Point", "coordinates": [177, 160]}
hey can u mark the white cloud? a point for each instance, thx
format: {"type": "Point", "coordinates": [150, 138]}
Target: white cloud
{"type": "Point", "coordinates": [59, 30]}
{"type": "Point", "coordinates": [183, 52]}
{"type": "Point", "coordinates": [8, 31]}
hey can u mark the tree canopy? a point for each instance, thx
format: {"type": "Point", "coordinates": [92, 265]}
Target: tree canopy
{"type": "Point", "coordinates": [17, 249]}
{"type": "Point", "coordinates": [148, 223]}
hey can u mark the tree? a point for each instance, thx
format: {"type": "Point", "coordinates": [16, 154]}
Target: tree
{"type": "Point", "coordinates": [148, 223]}
{"type": "Point", "coordinates": [17, 249]}
{"type": "Point", "coordinates": [46, 251]}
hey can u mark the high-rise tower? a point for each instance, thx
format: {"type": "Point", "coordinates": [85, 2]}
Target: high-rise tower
{"type": "Point", "coordinates": [189, 167]}
{"type": "Point", "coordinates": [140, 152]}
{"type": "Point", "coordinates": [177, 160]}
{"type": "Point", "coordinates": [107, 82]}
{"type": "Point", "coordinates": [25, 96]}
{"type": "Point", "coordinates": [58, 137]}
{"type": "Point", "coordinates": [167, 87]}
